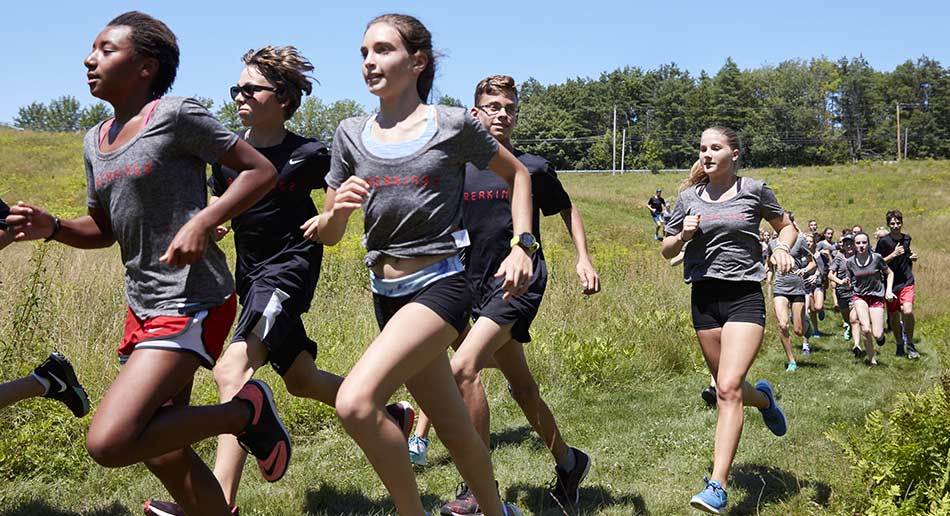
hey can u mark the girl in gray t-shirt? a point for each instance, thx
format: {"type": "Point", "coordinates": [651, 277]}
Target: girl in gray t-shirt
{"type": "Point", "coordinates": [404, 167]}
{"type": "Point", "coordinates": [719, 214]}
{"type": "Point", "coordinates": [867, 271]}
{"type": "Point", "coordinates": [146, 173]}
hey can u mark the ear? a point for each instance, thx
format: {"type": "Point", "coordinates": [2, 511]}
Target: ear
{"type": "Point", "coordinates": [419, 62]}
{"type": "Point", "coordinates": [474, 112]}
{"type": "Point", "coordinates": [149, 68]}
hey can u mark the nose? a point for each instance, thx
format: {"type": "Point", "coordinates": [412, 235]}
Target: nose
{"type": "Point", "coordinates": [89, 62]}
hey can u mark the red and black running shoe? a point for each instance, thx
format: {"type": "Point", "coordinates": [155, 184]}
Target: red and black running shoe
{"type": "Point", "coordinates": [404, 415]}
{"type": "Point", "coordinates": [265, 436]}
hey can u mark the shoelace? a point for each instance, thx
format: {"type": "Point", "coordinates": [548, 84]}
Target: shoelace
{"type": "Point", "coordinates": [715, 486]}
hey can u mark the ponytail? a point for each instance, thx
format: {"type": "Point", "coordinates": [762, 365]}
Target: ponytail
{"type": "Point", "coordinates": [697, 175]}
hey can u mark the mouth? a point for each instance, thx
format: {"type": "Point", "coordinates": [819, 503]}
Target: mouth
{"type": "Point", "coordinates": [373, 78]}
{"type": "Point", "coordinates": [90, 78]}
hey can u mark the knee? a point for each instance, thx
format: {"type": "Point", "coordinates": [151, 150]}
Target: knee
{"type": "Point", "coordinates": [466, 373]}
{"type": "Point", "coordinates": [355, 409]}
{"type": "Point", "coordinates": [106, 449]}
{"type": "Point", "coordinates": [729, 391]}
{"type": "Point", "coordinates": [783, 327]}
{"type": "Point", "coordinates": [296, 387]}
{"type": "Point", "coordinates": [907, 310]}
{"type": "Point", "coordinates": [229, 378]}
{"type": "Point", "coordinates": [525, 392]}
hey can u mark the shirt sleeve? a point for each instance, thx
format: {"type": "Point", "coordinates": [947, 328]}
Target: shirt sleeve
{"type": "Point", "coordinates": [881, 264]}
{"type": "Point", "coordinates": [215, 182]}
{"type": "Point", "coordinates": [92, 200]}
{"type": "Point", "coordinates": [200, 134]}
{"type": "Point", "coordinates": [768, 204]}
{"type": "Point", "coordinates": [318, 165]}
{"type": "Point", "coordinates": [549, 194]}
{"type": "Point", "coordinates": [478, 144]}
{"type": "Point", "coordinates": [675, 223]}
{"type": "Point", "coordinates": [341, 166]}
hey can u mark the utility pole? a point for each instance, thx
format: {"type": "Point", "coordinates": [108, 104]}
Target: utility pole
{"type": "Point", "coordinates": [905, 142]}
{"type": "Point", "coordinates": [623, 149]}
{"type": "Point", "coordinates": [613, 167]}
{"type": "Point", "coordinates": [898, 130]}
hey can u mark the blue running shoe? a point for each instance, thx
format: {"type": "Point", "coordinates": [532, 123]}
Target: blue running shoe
{"type": "Point", "coordinates": [773, 416]}
{"type": "Point", "coordinates": [711, 499]}
{"type": "Point", "coordinates": [418, 450]}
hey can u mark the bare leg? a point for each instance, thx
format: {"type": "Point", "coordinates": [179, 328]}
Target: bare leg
{"type": "Point", "coordinates": [729, 352]}
{"type": "Point", "coordinates": [19, 390]}
{"type": "Point", "coordinates": [781, 316]}
{"type": "Point", "coordinates": [864, 319]}
{"type": "Point", "coordinates": [411, 350]}
{"type": "Point", "coordinates": [423, 424]}
{"type": "Point", "coordinates": [525, 390]}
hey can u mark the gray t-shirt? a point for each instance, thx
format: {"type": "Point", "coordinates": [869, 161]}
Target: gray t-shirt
{"type": "Point", "coordinates": [726, 245]}
{"type": "Point", "coordinates": [824, 245]}
{"type": "Point", "coordinates": [840, 271]}
{"type": "Point", "coordinates": [867, 276]}
{"type": "Point", "coordinates": [415, 202]}
{"type": "Point", "coordinates": [791, 284]}
{"type": "Point", "coordinates": [151, 187]}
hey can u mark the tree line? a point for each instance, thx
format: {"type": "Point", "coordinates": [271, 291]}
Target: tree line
{"type": "Point", "coordinates": [795, 113]}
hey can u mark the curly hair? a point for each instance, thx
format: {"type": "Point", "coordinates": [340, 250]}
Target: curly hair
{"type": "Point", "coordinates": [152, 38]}
{"type": "Point", "coordinates": [286, 69]}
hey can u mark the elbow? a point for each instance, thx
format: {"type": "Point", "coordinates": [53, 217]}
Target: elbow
{"type": "Point", "coordinates": [270, 173]}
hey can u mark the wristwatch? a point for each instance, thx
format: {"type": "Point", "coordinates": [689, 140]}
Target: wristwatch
{"type": "Point", "coordinates": [57, 224]}
{"type": "Point", "coordinates": [527, 242]}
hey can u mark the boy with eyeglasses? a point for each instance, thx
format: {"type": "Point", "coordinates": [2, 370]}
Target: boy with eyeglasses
{"type": "Point", "coordinates": [895, 248]}
{"type": "Point", "coordinates": [501, 327]}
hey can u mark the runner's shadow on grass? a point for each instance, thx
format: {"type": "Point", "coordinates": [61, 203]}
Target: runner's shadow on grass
{"type": "Point", "coordinates": [593, 500]}
{"type": "Point", "coordinates": [41, 508]}
{"type": "Point", "coordinates": [330, 500]}
{"type": "Point", "coordinates": [767, 485]}
{"type": "Point", "coordinates": [811, 365]}
{"type": "Point", "coordinates": [507, 437]}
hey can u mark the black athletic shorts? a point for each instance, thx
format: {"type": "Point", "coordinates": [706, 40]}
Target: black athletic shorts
{"type": "Point", "coordinates": [716, 302]}
{"type": "Point", "coordinates": [449, 297]}
{"type": "Point", "coordinates": [275, 317]}
{"type": "Point", "coordinates": [519, 310]}
{"type": "Point", "coordinates": [792, 298]}
{"type": "Point", "coordinates": [844, 302]}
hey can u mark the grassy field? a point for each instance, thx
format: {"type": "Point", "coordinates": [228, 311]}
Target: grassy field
{"type": "Point", "coordinates": [621, 370]}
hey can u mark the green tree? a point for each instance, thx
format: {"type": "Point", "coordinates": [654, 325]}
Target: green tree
{"type": "Point", "coordinates": [227, 114]}
{"type": "Point", "coordinates": [32, 117]}
{"type": "Point", "coordinates": [447, 100]}
{"type": "Point", "coordinates": [63, 114]}
{"type": "Point", "coordinates": [92, 115]}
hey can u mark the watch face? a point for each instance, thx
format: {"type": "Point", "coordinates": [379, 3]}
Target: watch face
{"type": "Point", "coordinates": [527, 240]}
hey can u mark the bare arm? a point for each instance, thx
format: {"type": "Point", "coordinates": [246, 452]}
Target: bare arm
{"type": "Point", "coordinates": [93, 231]}
{"type": "Point", "coordinates": [787, 235]}
{"type": "Point", "coordinates": [586, 273]}
{"type": "Point", "coordinates": [6, 238]}
{"type": "Point", "coordinates": [517, 267]}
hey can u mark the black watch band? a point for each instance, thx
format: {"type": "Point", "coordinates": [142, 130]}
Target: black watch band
{"type": "Point", "coordinates": [57, 224]}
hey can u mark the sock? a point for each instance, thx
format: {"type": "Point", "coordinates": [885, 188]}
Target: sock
{"type": "Point", "coordinates": [43, 381]}
{"type": "Point", "coordinates": [568, 462]}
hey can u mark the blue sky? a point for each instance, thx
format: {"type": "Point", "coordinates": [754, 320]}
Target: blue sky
{"type": "Point", "coordinates": [549, 40]}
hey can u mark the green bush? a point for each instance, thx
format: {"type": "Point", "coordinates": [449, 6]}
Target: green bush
{"type": "Point", "coordinates": [903, 457]}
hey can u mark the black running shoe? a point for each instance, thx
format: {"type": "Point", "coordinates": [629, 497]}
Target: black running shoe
{"type": "Point", "coordinates": [160, 508]}
{"type": "Point", "coordinates": [63, 384]}
{"type": "Point", "coordinates": [265, 436]}
{"type": "Point", "coordinates": [709, 396]}
{"type": "Point", "coordinates": [566, 483]}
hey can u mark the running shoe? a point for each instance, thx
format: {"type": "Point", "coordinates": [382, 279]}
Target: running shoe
{"type": "Point", "coordinates": [791, 367]}
{"type": "Point", "coordinates": [511, 509]}
{"type": "Point", "coordinates": [265, 436]}
{"type": "Point", "coordinates": [566, 483]}
{"type": "Point", "coordinates": [58, 374]}
{"type": "Point", "coordinates": [806, 350]}
{"type": "Point", "coordinates": [821, 315]}
{"type": "Point", "coordinates": [464, 504]}
{"type": "Point", "coordinates": [847, 333]}
{"type": "Point", "coordinates": [881, 340]}
{"type": "Point", "coordinates": [900, 351]}
{"type": "Point", "coordinates": [404, 415]}
{"type": "Point", "coordinates": [773, 416]}
{"type": "Point", "coordinates": [160, 508]}
{"type": "Point", "coordinates": [418, 450]}
{"type": "Point", "coordinates": [912, 352]}
{"type": "Point", "coordinates": [709, 396]}
{"type": "Point", "coordinates": [712, 499]}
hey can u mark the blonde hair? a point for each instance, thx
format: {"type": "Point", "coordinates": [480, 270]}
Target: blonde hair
{"type": "Point", "coordinates": [697, 173]}
{"type": "Point", "coordinates": [286, 69]}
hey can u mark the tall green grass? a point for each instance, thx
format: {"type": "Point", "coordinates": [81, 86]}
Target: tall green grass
{"type": "Point", "coordinates": [621, 370]}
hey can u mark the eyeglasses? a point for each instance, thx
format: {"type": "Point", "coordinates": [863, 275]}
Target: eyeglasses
{"type": "Point", "coordinates": [248, 90]}
{"type": "Point", "coordinates": [494, 110]}
{"type": "Point", "coordinates": [895, 224]}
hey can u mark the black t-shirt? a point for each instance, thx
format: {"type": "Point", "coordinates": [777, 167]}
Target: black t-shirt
{"type": "Point", "coordinates": [487, 213]}
{"type": "Point", "coordinates": [272, 226]}
{"type": "Point", "coordinates": [4, 211]}
{"type": "Point", "coordinates": [901, 265]}
{"type": "Point", "coordinates": [656, 204]}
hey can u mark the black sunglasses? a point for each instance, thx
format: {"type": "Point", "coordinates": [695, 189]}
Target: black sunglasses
{"type": "Point", "coordinates": [248, 90]}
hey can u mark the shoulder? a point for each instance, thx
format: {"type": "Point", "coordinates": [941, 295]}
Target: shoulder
{"type": "Point", "coordinates": [306, 147]}
{"type": "Point", "coordinates": [536, 164]}
{"type": "Point", "coordinates": [352, 125]}
{"type": "Point", "coordinates": [753, 185]}
{"type": "Point", "coordinates": [455, 119]}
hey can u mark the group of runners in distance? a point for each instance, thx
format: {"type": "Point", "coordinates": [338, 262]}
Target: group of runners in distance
{"type": "Point", "coordinates": [451, 216]}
